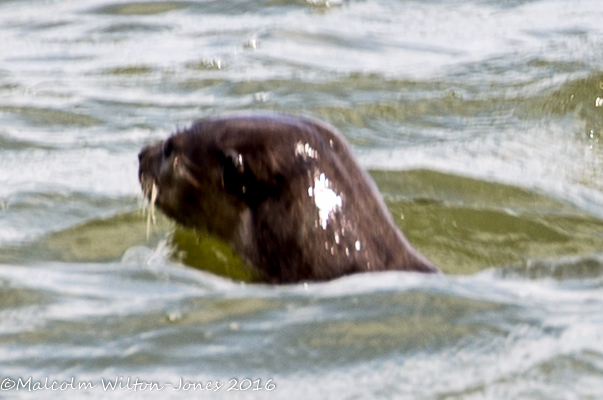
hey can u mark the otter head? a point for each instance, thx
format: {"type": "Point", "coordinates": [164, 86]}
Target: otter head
{"type": "Point", "coordinates": [201, 179]}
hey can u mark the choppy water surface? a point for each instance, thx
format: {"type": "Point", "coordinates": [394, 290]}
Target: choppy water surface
{"type": "Point", "coordinates": [482, 123]}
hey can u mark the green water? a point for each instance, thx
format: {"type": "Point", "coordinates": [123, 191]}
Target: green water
{"type": "Point", "coordinates": [463, 225]}
{"type": "Point", "coordinates": [480, 121]}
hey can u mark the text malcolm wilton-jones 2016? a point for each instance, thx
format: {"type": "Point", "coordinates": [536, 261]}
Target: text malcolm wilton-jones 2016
{"type": "Point", "coordinates": [135, 384]}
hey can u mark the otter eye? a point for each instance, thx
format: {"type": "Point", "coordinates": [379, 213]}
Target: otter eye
{"type": "Point", "coordinates": [233, 176]}
{"type": "Point", "coordinates": [167, 149]}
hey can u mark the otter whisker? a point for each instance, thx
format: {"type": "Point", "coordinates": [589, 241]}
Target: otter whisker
{"type": "Point", "coordinates": [151, 214]}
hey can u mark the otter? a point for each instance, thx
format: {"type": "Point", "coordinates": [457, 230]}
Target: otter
{"type": "Point", "coordinates": [284, 191]}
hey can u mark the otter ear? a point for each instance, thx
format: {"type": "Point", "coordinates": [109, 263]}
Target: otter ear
{"type": "Point", "coordinates": [233, 173]}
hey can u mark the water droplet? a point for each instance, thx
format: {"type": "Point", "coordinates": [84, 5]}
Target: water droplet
{"type": "Point", "coordinates": [174, 316]}
{"type": "Point", "coordinates": [251, 43]}
{"type": "Point", "coordinates": [261, 97]}
{"type": "Point", "coordinates": [326, 200]}
{"type": "Point", "coordinates": [305, 151]}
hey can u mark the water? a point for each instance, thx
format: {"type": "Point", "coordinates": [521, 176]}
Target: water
{"type": "Point", "coordinates": [482, 123]}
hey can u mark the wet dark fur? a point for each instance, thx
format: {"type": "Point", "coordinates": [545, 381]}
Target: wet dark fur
{"type": "Point", "coordinates": [253, 180]}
